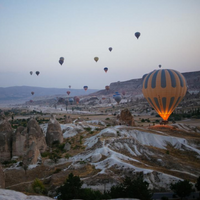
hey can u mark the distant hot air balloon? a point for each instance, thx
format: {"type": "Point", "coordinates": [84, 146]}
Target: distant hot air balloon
{"type": "Point", "coordinates": [96, 59]}
{"type": "Point", "coordinates": [110, 49]}
{"type": "Point", "coordinates": [105, 69]}
{"type": "Point", "coordinates": [107, 87]}
{"type": "Point", "coordinates": [37, 72]}
{"type": "Point", "coordinates": [68, 92]}
{"type": "Point", "coordinates": [137, 35]}
{"type": "Point", "coordinates": [159, 66]}
{"type": "Point", "coordinates": [164, 89]}
{"type": "Point", "coordinates": [123, 92]}
{"type": "Point", "coordinates": [117, 97]}
{"type": "Point", "coordinates": [31, 72]}
{"type": "Point", "coordinates": [69, 86]}
{"type": "Point", "coordinates": [32, 93]}
{"type": "Point", "coordinates": [85, 88]}
{"type": "Point", "coordinates": [61, 61]}
{"type": "Point", "coordinates": [76, 99]}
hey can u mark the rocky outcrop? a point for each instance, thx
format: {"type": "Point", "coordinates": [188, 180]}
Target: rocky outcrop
{"type": "Point", "coordinates": [18, 141]}
{"type": "Point", "coordinates": [2, 178]}
{"type": "Point", "coordinates": [5, 140]}
{"type": "Point", "coordinates": [126, 118]}
{"type": "Point", "coordinates": [54, 132]}
{"type": "Point", "coordinates": [35, 134]}
{"type": "Point", "coordinates": [29, 142]}
{"type": "Point", "coordinates": [11, 194]}
{"type": "Point", "coordinates": [68, 120]}
{"type": "Point", "coordinates": [32, 155]}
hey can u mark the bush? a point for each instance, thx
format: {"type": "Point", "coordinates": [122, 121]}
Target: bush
{"type": "Point", "coordinates": [38, 186]}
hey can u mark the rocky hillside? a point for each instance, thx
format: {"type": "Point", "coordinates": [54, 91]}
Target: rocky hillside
{"type": "Point", "coordinates": [134, 86]}
{"type": "Point", "coordinates": [102, 152]}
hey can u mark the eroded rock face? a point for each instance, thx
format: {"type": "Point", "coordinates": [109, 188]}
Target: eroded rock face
{"type": "Point", "coordinates": [54, 132]}
{"type": "Point", "coordinates": [35, 134]}
{"type": "Point", "coordinates": [68, 120]}
{"type": "Point", "coordinates": [18, 144]}
{"type": "Point", "coordinates": [126, 118]}
{"type": "Point", "coordinates": [2, 178]}
{"type": "Point", "coordinates": [29, 142]}
{"type": "Point", "coordinates": [5, 140]}
{"type": "Point", "coordinates": [32, 154]}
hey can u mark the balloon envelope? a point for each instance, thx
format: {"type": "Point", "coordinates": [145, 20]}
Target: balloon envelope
{"type": "Point", "coordinates": [85, 88]}
{"type": "Point", "coordinates": [68, 92]}
{"type": "Point", "coordinates": [137, 35]}
{"type": "Point", "coordinates": [110, 49]}
{"type": "Point", "coordinates": [37, 72]}
{"type": "Point", "coordinates": [96, 59]}
{"type": "Point", "coordinates": [107, 87]}
{"type": "Point", "coordinates": [164, 89]}
{"type": "Point", "coordinates": [32, 93]}
{"type": "Point", "coordinates": [117, 97]}
{"type": "Point", "coordinates": [105, 69]}
{"type": "Point", "coordinates": [31, 72]}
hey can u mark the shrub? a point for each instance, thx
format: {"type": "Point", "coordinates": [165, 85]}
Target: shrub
{"type": "Point", "coordinates": [38, 186]}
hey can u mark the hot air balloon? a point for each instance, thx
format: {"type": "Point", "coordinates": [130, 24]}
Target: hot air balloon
{"type": "Point", "coordinates": [76, 99]}
{"type": "Point", "coordinates": [69, 86]}
{"type": "Point", "coordinates": [31, 72]}
{"type": "Point", "coordinates": [107, 87]}
{"type": "Point", "coordinates": [123, 92]}
{"type": "Point", "coordinates": [32, 93]}
{"type": "Point", "coordinates": [110, 49]}
{"type": "Point", "coordinates": [105, 69]}
{"type": "Point", "coordinates": [96, 59]}
{"type": "Point", "coordinates": [61, 61]}
{"type": "Point", "coordinates": [164, 89]}
{"type": "Point", "coordinates": [37, 72]}
{"type": "Point", "coordinates": [159, 66]}
{"type": "Point", "coordinates": [68, 92]}
{"type": "Point", "coordinates": [85, 87]}
{"type": "Point", "coordinates": [137, 35]}
{"type": "Point", "coordinates": [117, 97]}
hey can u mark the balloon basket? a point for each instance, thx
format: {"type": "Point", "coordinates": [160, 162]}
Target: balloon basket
{"type": "Point", "coordinates": [164, 122]}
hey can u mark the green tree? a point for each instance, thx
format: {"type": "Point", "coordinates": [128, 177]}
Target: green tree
{"type": "Point", "coordinates": [197, 185]}
{"type": "Point", "coordinates": [38, 186]}
{"type": "Point", "coordinates": [70, 189]}
{"type": "Point", "coordinates": [182, 188]}
{"type": "Point", "coordinates": [136, 188]}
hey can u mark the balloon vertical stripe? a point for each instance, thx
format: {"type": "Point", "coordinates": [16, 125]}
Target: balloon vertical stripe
{"type": "Point", "coordinates": [153, 82]}
{"type": "Point", "coordinates": [163, 79]}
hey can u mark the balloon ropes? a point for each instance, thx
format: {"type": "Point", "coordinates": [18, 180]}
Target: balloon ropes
{"type": "Point", "coordinates": [164, 89]}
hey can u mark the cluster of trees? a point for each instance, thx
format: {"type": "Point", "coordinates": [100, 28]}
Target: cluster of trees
{"type": "Point", "coordinates": [129, 188]}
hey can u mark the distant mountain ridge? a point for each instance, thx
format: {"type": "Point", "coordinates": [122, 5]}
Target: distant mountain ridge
{"type": "Point", "coordinates": [23, 93]}
{"type": "Point", "coordinates": [134, 86]}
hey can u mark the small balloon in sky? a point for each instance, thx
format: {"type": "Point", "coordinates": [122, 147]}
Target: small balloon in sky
{"type": "Point", "coordinates": [61, 61]}
{"type": "Point", "coordinates": [110, 49]}
{"type": "Point", "coordinates": [105, 69]}
{"type": "Point", "coordinates": [96, 59]}
{"type": "Point", "coordinates": [137, 35]}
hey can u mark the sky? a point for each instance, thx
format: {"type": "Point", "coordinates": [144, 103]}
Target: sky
{"type": "Point", "coordinates": [34, 34]}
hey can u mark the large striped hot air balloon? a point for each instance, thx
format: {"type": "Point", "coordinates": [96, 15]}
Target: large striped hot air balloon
{"type": "Point", "coordinates": [164, 89]}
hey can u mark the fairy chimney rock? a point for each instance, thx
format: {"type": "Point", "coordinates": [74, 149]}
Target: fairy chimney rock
{"type": "Point", "coordinates": [54, 132]}
{"type": "Point", "coordinates": [126, 118]}
{"type": "Point", "coordinates": [5, 140]}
